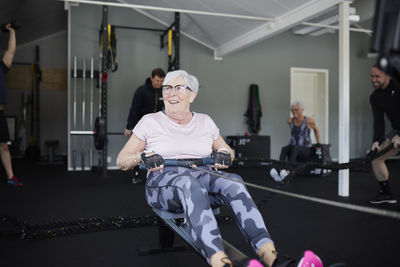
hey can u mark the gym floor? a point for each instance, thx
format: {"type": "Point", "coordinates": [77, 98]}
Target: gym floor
{"type": "Point", "coordinates": [50, 194]}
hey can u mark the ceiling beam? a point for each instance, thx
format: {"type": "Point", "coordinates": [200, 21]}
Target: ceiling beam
{"type": "Point", "coordinates": [167, 9]}
{"type": "Point", "coordinates": [281, 24]}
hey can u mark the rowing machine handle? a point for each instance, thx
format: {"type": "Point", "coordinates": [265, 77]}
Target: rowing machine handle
{"type": "Point", "coordinates": [175, 162]}
{"type": "Point", "coordinates": [374, 154]}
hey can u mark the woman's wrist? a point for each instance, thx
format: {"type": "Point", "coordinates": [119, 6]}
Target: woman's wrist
{"type": "Point", "coordinates": [223, 149]}
{"type": "Point", "coordinates": [137, 159]}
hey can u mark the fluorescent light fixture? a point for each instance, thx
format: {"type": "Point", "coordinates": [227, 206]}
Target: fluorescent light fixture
{"type": "Point", "coordinates": [354, 18]}
{"type": "Point", "coordinates": [331, 20]}
{"type": "Point", "coordinates": [326, 21]}
{"type": "Point", "coordinates": [322, 31]}
{"type": "Point", "coordinates": [305, 30]}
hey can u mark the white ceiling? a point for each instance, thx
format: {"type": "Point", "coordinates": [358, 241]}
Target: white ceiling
{"type": "Point", "coordinates": [225, 35]}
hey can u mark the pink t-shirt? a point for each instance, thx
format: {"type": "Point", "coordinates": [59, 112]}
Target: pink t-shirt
{"type": "Point", "coordinates": [176, 141]}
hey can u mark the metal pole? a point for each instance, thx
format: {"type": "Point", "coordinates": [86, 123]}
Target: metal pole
{"type": "Point", "coordinates": [177, 41]}
{"type": "Point", "coordinates": [91, 112]}
{"type": "Point", "coordinates": [83, 112]}
{"type": "Point", "coordinates": [69, 87]}
{"type": "Point", "coordinates": [74, 115]}
{"type": "Point", "coordinates": [104, 84]}
{"type": "Point", "coordinates": [100, 153]}
{"type": "Point", "coordinates": [100, 82]}
{"type": "Point", "coordinates": [38, 78]}
{"type": "Point", "coordinates": [187, 11]}
{"type": "Point", "coordinates": [344, 96]}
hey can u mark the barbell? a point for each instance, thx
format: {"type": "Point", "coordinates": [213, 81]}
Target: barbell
{"type": "Point", "coordinates": [99, 133]}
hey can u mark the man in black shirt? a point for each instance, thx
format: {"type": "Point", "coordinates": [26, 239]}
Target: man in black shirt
{"type": "Point", "coordinates": [147, 99]}
{"type": "Point", "coordinates": [384, 100]}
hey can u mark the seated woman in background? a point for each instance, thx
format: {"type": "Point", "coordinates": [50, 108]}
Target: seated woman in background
{"type": "Point", "coordinates": [300, 141]}
{"type": "Point", "coordinates": [179, 133]}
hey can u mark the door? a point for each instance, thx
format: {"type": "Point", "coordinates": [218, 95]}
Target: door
{"type": "Point", "coordinates": [310, 86]}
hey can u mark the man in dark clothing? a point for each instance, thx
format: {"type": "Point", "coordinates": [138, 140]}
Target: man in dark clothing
{"type": "Point", "coordinates": [147, 99]}
{"type": "Point", "coordinates": [5, 65]}
{"type": "Point", "coordinates": [384, 100]}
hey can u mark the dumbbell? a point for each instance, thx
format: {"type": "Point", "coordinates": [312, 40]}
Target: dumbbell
{"type": "Point", "coordinates": [14, 24]}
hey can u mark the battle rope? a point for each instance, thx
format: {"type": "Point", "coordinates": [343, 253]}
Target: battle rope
{"type": "Point", "coordinates": [375, 211]}
{"type": "Point", "coordinates": [330, 165]}
{"type": "Point", "coordinates": [13, 227]}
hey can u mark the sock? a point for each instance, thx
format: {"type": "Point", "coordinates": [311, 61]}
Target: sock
{"type": "Point", "coordinates": [283, 174]}
{"type": "Point", "coordinates": [274, 174]}
{"type": "Point", "coordinates": [385, 186]}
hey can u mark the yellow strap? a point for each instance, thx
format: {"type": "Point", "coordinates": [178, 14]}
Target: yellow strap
{"type": "Point", "coordinates": [109, 35]}
{"type": "Point", "coordinates": [169, 42]}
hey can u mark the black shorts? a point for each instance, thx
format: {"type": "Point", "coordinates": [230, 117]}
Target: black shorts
{"type": "Point", "coordinates": [4, 134]}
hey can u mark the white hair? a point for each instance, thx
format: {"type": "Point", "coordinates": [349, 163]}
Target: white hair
{"type": "Point", "coordinates": [297, 103]}
{"type": "Point", "coordinates": [191, 80]}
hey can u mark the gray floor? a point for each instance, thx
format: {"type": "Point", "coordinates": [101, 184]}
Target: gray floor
{"type": "Point", "coordinates": [50, 194]}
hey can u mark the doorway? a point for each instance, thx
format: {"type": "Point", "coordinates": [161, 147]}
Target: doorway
{"type": "Point", "coordinates": [310, 86]}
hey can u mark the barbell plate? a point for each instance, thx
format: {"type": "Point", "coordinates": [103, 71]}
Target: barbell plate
{"type": "Point", "coordinates": [101, 134]}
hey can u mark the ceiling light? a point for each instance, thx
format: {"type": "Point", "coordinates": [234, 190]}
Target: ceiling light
{"type": "Point", "coordinates": [325, 19]}
{"type": "Point", "coordinates": [354, 18]}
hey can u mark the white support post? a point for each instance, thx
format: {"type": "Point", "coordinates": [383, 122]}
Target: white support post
{"type": "Point", "coordinates": [344, 96]}
{"type": "Point", "coordinates": [69, 160]}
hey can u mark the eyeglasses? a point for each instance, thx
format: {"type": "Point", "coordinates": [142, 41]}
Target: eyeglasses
{"type": "Point", "coordinates": [179, 89]}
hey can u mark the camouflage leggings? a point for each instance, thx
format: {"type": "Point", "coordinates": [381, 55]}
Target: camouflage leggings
{"type": "Point", "coordinates": [180, 189]}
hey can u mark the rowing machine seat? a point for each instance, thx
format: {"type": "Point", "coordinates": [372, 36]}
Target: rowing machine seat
{"type": "Point", "coordinates": [176, 222]}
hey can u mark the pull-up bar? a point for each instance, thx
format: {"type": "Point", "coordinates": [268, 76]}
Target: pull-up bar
{"type": "Point", "coordinates": [137, 28]}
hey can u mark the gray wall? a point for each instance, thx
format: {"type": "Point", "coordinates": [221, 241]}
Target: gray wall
{"type": "Point", "coordinates": [224, 84]}
{"type": "Point", "coordinates": [53, 105]}
{"type": "Point", "coordinates": [37, 18]}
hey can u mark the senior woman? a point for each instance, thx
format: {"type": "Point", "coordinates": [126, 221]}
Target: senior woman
{"type": "Point", "coordinates": [179, 133]}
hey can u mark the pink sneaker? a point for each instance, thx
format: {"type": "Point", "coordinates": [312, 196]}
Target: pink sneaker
{"type": "Point", "coordinates": [310, 260]}
{"type": "Point", "coordinates": [254, 263]}
{"type": "Point", "coordinates": [245, 263]}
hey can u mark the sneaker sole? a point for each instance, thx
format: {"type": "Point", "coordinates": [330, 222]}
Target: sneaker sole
{"type": "Point", "coordinates": [392, 201]}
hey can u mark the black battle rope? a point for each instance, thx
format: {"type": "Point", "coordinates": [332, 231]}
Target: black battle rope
{"type": "Point", "coordinates": [375, 211]}
{"type": "Point", "coordinates": [330, 165]}
{"type": "Point", "coordinates": [12, 227]}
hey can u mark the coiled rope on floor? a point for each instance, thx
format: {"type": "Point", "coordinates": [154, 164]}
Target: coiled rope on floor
{"type": "Point", "coordinates": [14, 227]}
